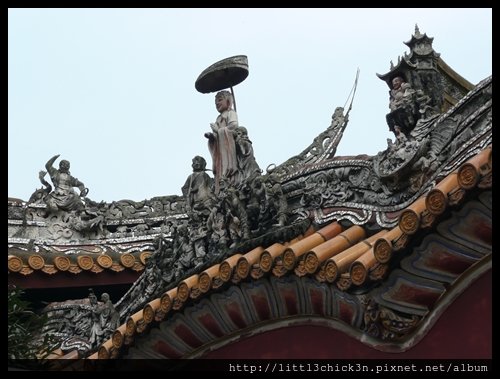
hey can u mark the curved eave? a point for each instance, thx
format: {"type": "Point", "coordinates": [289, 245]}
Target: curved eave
{"type": "Point", "coordinates": [414, 39]}
{"type": "Point", "coordinates": [73, 261]}
{"type": "Point", "coordinates": [339, 259]}
{"type": "Point", "coordinates": [403, 65]}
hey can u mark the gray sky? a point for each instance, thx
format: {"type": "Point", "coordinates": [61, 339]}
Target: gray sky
{"type": "Point", "coordinates": [112, 90]}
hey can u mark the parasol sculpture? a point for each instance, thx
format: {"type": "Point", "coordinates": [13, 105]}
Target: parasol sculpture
{"type": "Point", "coordinates": [223, 74]}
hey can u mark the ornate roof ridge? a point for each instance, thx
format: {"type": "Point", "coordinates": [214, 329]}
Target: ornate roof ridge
{"type": "Point", "coordinates": [361, 257]}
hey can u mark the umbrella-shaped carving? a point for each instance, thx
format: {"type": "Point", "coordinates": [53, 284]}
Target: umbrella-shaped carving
{"type": "Point", "coordinates": [223, 74]}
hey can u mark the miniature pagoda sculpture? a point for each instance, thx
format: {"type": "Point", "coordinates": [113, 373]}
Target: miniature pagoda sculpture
{"type": "Point", "coordinates": [418, 88]}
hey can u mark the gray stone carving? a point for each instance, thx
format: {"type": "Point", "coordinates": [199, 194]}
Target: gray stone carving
{"type": "Point", "coordinates": [63, 197]}
{"type": "Point", "coordinates": [221, 140]}
{"type": "Point", "coordinates": [322, 148]}
{"type": "Point", "coordinates": [82, 324]}
{"type": "Point", "coordinates": [123, 220]}
{"type": "Point", "coordinates": [198, 188]}
{"type": "Point", "coordinates": [248, 167]}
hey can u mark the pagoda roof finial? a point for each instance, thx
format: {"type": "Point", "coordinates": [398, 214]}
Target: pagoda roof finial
{"type": "Point", "coordinates": [418, 41]}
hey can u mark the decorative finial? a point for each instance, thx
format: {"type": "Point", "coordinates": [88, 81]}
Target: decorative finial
{"type": "Point", "coordinates": [392, 65]}
{"type": "Point", "coordinates": [417, 31]}
{"type": "Point", "coordinates": [399, 59]}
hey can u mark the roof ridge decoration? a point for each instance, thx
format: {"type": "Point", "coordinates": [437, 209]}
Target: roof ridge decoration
{"type": "Point", "coordinates": [349, 259]}
{"type": "Point", "coordinates": [243, 222]}
{"type": "Point", "coordinates": [382, 185]}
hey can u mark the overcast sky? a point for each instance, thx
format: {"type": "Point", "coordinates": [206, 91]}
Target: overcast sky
{"type": "Point", "coordinates": [112, 90]}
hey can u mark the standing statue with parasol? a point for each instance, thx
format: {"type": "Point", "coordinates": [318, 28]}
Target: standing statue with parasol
{"type": "Point", "coordinates": [223, 138]}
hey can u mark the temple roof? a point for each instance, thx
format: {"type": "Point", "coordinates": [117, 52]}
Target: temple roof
{"type": "Point", "coordinates": [50, 246]}
{"type": "Point", "coordinates": [346, 258]}
{"type": "Point", "coordinates": [376, 246]}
